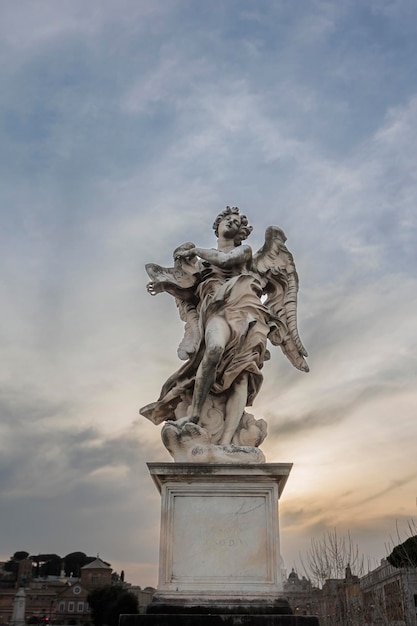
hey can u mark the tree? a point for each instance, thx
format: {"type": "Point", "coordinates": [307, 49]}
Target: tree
{"type": "Point", "coordinates": [108, 603]}
{"type": "Point", "coordinates": [329, 556]}
{"type": "Point", "coordinates": [405, 554]}
{"type": "Point", "coordinates": [51, 566]}
{"type": "Point", "coordinates": [74, 561]}
{"type": "Point", "coordinates": [47, 564]}
{"type": "Point", "coordinates": [12, 565]}
{"type": "Point", "coordinates": [20, 555]}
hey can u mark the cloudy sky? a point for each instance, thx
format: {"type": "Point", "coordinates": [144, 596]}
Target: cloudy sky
{"type": "Point", "coordinates": [125, 128]}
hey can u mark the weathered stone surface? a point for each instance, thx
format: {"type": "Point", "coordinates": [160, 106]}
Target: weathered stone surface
{"type": "Point", "coordinates": [217, 620]}
{"type": "Point", "coordinates": [191, 443]}
{"type": "Point", "coordinates": [219, 534]}
{"type": "Point", "coordinates": [19, 604]}
{"type": "Point", "coordinates": [231, 301]}
{"type": "Point", "coordinates": [279, 606]}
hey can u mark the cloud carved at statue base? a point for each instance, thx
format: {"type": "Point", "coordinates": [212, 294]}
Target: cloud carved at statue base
{"type": "Point", "coordinates": [189, 443]}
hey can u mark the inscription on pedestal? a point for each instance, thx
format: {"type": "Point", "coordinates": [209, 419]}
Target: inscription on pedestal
{"type": "Point", "coordinates": [220, 538]}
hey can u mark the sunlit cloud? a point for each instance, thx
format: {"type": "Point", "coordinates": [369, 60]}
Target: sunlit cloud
{"type": "Point", "coordinates": [125, 130]}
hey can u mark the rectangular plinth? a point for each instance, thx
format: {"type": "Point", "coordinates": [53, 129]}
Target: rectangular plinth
{"type": "Point", "coordinates": [219, 532]}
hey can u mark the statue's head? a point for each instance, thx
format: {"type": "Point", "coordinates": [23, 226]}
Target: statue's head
{"type": "Point", "coordinates": [244, 229]}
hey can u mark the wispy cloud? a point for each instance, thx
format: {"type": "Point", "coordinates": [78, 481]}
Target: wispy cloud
{"type": "Point", "coordinates": [124, 130]}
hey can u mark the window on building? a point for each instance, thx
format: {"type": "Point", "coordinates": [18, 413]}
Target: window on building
{"type": "Point", "coordinates": [70, 607]}
{"type": "Point", "coordinates": [94, 579]}
{"type": "Point", "coordinates": [393, 600]}
{"type": "Point", "coordinates": [80, 607]}
{"type": "Point", "coordinates": [61, 607]}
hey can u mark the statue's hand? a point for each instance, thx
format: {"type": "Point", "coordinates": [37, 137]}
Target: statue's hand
{"type": "Point", "coordinates": [154, 288]}
{"type": "Point", "coordinates": [186, 254]}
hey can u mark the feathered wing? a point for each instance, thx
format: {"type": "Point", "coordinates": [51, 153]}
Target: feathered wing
{"type": "Point", "coordinates": [275, 265]}
{"type": "Point", "coordinates": [180, 281]}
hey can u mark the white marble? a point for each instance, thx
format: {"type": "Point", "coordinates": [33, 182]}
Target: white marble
{"type": "Point", "coordinates": [190, 443]}
{"type": "Point", "coordinates": [219, 532]}
{"type": "Point", "coordinates": [231, 302]}
{"type": "Point", "coordinates": [19, 607]}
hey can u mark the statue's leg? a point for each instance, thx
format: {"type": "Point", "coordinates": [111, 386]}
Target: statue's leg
{"type": "Point", "coordinates": [216, 336]}
{"type": "Point", "coordinates": [235, 406]}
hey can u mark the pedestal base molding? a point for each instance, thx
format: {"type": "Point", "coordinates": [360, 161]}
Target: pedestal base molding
{"type": "Point", "coordinates": [217, 620]}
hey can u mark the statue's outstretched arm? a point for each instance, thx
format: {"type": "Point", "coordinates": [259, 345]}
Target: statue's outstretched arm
{"type": "Point", "coordinates": [159, 286]}
{"type": "Point", "coordinates": [236, 256]}
{"type": "Point", "coordinates": [179, 281]}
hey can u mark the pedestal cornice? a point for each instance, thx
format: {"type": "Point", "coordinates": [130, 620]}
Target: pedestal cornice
{"type": "Point", "coordinates": [200, 472]}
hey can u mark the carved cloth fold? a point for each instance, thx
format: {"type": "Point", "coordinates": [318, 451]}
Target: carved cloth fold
{"type": "Point", "coordinates": [238, 301]}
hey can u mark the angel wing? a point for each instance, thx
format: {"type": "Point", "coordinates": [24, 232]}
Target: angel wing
{"type": "Point", "coordinates": [275, 265]}
{"type": "Point", "coordinates": [180, 281]}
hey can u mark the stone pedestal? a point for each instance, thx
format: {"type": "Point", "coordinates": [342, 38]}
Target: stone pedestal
{"type": "Point", "coordinates": [219, 534]}
{"type": "Point", "coordinates": [219, 549]}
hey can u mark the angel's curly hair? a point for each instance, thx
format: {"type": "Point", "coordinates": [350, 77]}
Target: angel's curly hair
{"type": "Point", "coordinates": [244, 230]}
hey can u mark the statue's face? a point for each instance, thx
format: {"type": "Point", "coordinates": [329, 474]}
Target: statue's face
{"type": "Point", "coordinates": [229, 226]}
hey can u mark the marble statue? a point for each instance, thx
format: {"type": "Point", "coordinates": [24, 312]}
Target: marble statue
{"type": "Point", "coordinates": [231, 301]}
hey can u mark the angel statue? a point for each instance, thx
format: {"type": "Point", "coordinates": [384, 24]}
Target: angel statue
{"type": "Point", "coordinates": [231, 301]}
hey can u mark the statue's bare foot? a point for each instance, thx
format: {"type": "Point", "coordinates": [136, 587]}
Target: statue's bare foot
{"type": "Point", "coordinates": [183, 421]}
{"type": "Point", "coordinates": [194, 431]}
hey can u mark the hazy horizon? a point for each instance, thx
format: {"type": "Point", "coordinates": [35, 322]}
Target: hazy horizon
{"type": "Point", "coordinates": [125, 129]}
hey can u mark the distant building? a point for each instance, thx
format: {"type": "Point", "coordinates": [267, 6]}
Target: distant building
{"type": "Point", "coordinates": [71, 606]}
{"type": "Point", "coordinates": [340, 601]}
{"type": "Point", "coordinates": [7, 596]}
{"type": "Point", "coordinates": [55, 599]}
{"type": "Point", "coordinates": [144, 596]}
{"type": "Point", "coordinates": [62, 600]}
{"type": "Point", "coordinates": [386, 596]}
{"type": "Point", "coordinates": [301, 595]}
{"type": "Point", "coordinates": [24, 572]}
{"type": "Point", "coordinates": [96, 574]}
{"type": "Point", "coordinates": [40, 599]}
{"type": "Point", "coordinates": [390, 594]}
